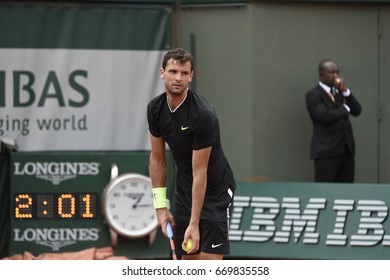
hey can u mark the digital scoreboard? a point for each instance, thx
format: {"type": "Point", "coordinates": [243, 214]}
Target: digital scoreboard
{"type": "Point", "coordinates": [56, 202]}
{"type": "Point", "coordinates": [55, 206]}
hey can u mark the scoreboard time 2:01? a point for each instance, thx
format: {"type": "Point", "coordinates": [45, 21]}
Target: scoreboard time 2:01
{"type": "Point", "coordinates": [54, 205]}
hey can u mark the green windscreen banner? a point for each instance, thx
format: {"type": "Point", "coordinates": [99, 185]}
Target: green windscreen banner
{"type": "Point", "coordinates": [279, 220]}
{"type": "Point", "coordinates": [80, 77]}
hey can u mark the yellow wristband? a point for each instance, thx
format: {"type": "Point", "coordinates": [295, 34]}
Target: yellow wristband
{"type": "Point", "coordinates": [160, 197]}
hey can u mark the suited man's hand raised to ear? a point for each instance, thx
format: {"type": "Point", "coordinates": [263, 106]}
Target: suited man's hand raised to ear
{"type": "Point", "coordinates": [340, 84]}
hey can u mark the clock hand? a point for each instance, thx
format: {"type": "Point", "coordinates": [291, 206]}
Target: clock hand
{"type": "Point", "coordinates": [142, 205]}
{"type": "Point", "coordinates": [139, 198]}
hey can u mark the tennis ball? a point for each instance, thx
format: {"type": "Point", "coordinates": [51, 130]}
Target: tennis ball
{"type": "Point", "coordinates": [188, 247]}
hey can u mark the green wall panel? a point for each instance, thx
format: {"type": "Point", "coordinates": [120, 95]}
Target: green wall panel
{"type": "Point", "coordinates": [213, 2]}
{"type": "Point", "coordinates": [285, 68]}
{"type": "Point", "coordinates": [43, 26]}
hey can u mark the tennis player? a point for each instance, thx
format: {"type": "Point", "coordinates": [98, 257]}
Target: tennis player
{"type": "Point", "coordinates": [205, 183]}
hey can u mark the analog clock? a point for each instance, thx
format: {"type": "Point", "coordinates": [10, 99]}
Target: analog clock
{"type": "Point", "coordinates": [128, 206]}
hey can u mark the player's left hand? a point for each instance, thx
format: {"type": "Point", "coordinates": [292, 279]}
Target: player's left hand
{"type": "Point", "coordinates": [192, 233]}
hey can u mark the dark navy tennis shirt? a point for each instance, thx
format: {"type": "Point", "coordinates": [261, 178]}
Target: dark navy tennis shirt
{"type": "Point", "coordinates": [192, 126]}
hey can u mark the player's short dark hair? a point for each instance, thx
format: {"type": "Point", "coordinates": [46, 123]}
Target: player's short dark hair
{"type": "Point", "coordinates": [178, 54]}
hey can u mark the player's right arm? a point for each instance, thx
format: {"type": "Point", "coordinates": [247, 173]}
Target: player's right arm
{"type": "Point", "coordinates": [157, 167]}
{"type": "Point", "coordinates": [157, 161]}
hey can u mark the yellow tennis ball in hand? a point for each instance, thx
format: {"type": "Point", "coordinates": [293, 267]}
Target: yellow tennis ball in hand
{"type": "Point", "coordinates": [188, 247]}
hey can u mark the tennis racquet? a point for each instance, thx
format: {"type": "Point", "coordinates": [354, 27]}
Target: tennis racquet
{"type": "Point", "coordinates": [171, 242]}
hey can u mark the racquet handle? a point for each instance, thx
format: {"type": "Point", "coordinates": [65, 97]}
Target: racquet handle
{"type": "Point", "coordinates": [171, 242]}
{"type": "Point", "coordinates": [169, 230]}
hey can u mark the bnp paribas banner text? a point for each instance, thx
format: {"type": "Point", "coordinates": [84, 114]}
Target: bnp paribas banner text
{"type": "Point", "coordinates": [79, 77]}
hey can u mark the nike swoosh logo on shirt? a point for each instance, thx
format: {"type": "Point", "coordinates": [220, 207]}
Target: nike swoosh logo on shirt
{"type": "Point", "coordinates": [215, 245]}
{"type": "Point", "coordinates": [184, 127]}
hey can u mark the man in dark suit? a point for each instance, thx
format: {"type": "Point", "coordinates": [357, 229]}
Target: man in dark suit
{"type": "Point", "coordinates": [330, 103]}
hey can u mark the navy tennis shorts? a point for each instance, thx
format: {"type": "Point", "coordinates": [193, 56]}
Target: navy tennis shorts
{"type": "Point", "coordinates": [213, 226]}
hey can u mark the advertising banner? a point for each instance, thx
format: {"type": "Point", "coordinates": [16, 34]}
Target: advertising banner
{"type": "Point", "coordinates": [311, 221]}
{"type": "Point", "coordinates": [57, 203]}
{"type": "Point", "coordinates": [79, 78]}
{"type": "Point", "coordinates": [56, 206]}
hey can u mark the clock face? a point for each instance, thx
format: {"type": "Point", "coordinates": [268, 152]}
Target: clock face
{"type": "Point", "coordinates": [128, 205]}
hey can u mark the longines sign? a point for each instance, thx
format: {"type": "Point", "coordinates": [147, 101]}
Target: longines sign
{"type": "Point", "coordinates": [55, 238]}
{"type": "Point", "coordinates": [56, 172]}
{"type": "Point", "coordinates": [56, 202]}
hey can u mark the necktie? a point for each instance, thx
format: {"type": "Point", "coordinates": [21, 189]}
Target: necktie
{"type": "Point", "coordinates": [331, 94]}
